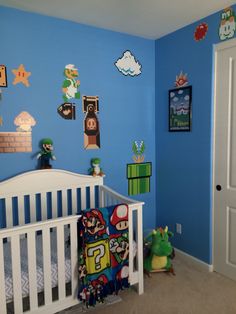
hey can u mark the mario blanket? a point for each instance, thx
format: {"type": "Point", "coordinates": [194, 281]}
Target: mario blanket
{"type": "Point", "coordinates": [104, 250]}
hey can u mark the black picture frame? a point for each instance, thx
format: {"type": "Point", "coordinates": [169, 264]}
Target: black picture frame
{"type": "Point", "coordinates": [180, 109]}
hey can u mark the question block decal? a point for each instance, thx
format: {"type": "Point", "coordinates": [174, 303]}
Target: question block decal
{"type": "Point", "coordinates": [98, 256]}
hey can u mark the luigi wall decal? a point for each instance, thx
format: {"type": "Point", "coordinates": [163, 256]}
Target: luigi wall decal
{"type": "Point", "coordinates": [71, 84]}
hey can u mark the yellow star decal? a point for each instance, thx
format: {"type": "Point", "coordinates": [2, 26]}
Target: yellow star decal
{"type": "Point", "coordinates": [1, 121]}
{"type": "Point", "coordinates": [21, 76]}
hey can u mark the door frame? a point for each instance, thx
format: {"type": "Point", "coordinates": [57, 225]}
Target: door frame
{"type": "Point", "coordinates": [217, 47]}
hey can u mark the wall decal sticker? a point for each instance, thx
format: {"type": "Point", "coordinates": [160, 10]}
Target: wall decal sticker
{"type": "Point", "coordinates": [181, 80]}
{"type": "Point", "coordinates": [67, 111]}
{"type": "Point", "coordinates": [24, 121]}
{"type": "Point", "coordinates": [20, 141]}
{"type": "Point", "coordinates": [1, 120]}
{"type": "Point", "coordinates": [70, 84]}
{"type": "Point", "coordinates": [138, 150]}
{"type": "Point", "coordinates": [200, 31]}
{"type": "Point", "coordinates": [128, 65]}
{"type": "Point", "coordinates": [21, 76]}
{"type": "Point", "coordinates": [227, 24]}
{"type": "Point", "coordinates": [91, 123]}
{"type": "Point", "coordinates": [3, 76]}
{"type": "Point", "coordinates": [138, 176]}
{"type": "Point", "coordinates": [139, 173]}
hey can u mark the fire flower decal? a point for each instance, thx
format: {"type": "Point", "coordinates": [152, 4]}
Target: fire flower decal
{"type": "Point", "coordinates": [181, 80]}
{"type": "Point", "coordinates": [201, 31]}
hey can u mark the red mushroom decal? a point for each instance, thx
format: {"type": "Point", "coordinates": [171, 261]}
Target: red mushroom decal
{"type": "Point", "coordinates": [201, 31]}
{"type": "Point", "coordinates": [119, 217]}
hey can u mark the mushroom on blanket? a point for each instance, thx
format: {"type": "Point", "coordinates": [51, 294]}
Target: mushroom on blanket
{"type": "Point", "coordinates": [119, 217]}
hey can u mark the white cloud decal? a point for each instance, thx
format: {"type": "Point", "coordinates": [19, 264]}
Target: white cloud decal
{"type": "Point", "coordinates": [127, 64]}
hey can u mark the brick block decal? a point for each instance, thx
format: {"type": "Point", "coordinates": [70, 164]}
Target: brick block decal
{"type": "Point", "coordinates": [15, 142]}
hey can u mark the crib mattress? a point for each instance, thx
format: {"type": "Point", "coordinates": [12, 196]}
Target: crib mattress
{"type": "Point", "coordinates": [39, 263]}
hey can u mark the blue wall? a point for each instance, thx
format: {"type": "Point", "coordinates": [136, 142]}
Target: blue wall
{"type": "Point", "coordinates": [181, 181]}
{"type": "Point", "coordinates": [184, 159]}
{"type": "Point", "coordinates": [127, 104]}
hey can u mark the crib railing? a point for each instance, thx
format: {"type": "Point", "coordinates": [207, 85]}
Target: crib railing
{"type": "Point", "coordinates": [13, 236]}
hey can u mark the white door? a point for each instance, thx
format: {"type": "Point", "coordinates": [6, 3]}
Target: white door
{"type": "Point", "coordinates": [224, 182]}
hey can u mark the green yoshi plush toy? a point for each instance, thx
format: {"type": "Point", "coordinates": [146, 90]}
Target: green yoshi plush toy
{"type": "Point", "coordinates": [96, 170]}
{"type": "Point", "coordinates": [160, 252]}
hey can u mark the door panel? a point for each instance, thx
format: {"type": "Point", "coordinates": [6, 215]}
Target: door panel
{"type": "Point", "coordinates": [224, 200]}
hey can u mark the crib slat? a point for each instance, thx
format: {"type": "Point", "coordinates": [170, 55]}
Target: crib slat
{"type": "Point", "coordinates": [101, 197]}
{"type": "Point", "coordinates": [74, 200]}
{"type": "Point", "coordinates": [83, 198]}
{"type": "Point", "coordinates": [64, 203]}
{"type": "Point", "coordinates": [16, 274]}
{"type": "Point", "coordinates": [92, 197]}
{"type": "Point", "coordinates": [32, 270]}
{"type": "Point", "coordinates": [61, 261]}
{"type": "Point", "coordinates": [32, 204]}
{"type": "Point", "coordinates": [21, 210]}
{"type": "Point", "coordinates": [74, 258]}
{"type": "Point", "coordinates": [2, 281]}
{"type": "Point", "coordinates": [43, 206]}
{"type": "Point", "coordinates": [9, 212]}
{"type": "Point", "coordinates": [54, 204]}
{"type": "Point", "coordinates": [131, 259]}
{"type": "Point", "coordinates": [47, 266]}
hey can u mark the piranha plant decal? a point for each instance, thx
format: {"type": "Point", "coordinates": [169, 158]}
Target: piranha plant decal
{"type": "Point", "coordinates": [227, 24]}
{"type": "Point", "coordinates": [138, 150]}
{"type": "Point", "coordinates": [201, 31]}
{"type": "Point", "coordinates": [139, 173]}
{"type": "Point", "coordinates": [70, 84]}
{"type": "Point", "coordinates": [181, 80]}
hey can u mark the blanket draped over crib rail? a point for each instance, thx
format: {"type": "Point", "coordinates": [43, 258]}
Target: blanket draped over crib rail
{"type": "Point", "coordinates": [103, 252]}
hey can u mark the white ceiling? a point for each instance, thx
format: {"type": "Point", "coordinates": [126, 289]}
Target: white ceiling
{"type": "Point", "coordinates": [146, 18]}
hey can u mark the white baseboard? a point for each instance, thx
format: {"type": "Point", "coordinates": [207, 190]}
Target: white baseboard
{"type": "Point", "coordinates": [190, 258]}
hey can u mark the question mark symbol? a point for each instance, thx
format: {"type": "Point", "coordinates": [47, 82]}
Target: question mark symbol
{"type": "Point", "coordinates": [101, 253]}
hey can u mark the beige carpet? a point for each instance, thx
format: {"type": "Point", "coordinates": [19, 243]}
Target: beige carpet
{"type": "Point", "coordinates": [192, 291]}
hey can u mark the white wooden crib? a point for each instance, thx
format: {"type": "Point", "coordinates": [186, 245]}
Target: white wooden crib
{"type": "Point", "coordinates": [38, 211]}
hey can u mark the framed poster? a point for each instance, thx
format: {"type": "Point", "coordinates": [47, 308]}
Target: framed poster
{"type": "Point", "coordinates": [180, 109]}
